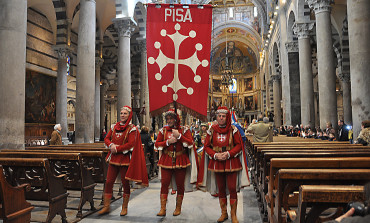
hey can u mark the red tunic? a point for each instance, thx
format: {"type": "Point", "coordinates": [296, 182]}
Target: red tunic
{"type": "Point", "coordinates": [126, 140]}
{"type": "Point", "coordinates": [223, 140]}
{"type": "Point", "coordinates": [182, 144]}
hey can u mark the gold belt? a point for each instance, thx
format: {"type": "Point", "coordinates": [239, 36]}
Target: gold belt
{"type": "Point", "coordinates": [173, 154]}
{"type": "Point", "coordinates": [218, 149]}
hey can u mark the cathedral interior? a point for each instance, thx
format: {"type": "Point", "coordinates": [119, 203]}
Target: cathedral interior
{"type": "Point", "coordinates": [75, 62]}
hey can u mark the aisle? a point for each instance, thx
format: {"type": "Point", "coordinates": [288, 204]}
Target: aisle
{"type": "Point", "coordinates": [197, 207]}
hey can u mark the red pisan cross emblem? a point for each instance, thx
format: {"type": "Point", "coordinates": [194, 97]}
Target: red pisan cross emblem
{"type": "Point", "coordinates": [221, 137]}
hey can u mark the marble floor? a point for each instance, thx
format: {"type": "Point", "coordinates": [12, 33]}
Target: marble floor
{"type": "Point", "coordinates": [197, 207]}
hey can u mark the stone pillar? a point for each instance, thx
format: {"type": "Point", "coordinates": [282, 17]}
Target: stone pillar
{"type": "Point", "coordinates": [359, 51]}
{"type": "Point", "coordinates": [277, 98]}
{"type": "Point", "coordinates": [144, 88]}
{"type": "Point", "coordinates": [294, 80]}
{"type": "Point", "coordinates": [61, 90]}
{"type": "Point", "coordinates": [97, 129]}
{"type": "Point", "coordinates": [325, 59]}
{"type": "Point", "coordinates": [103, 89]}
{"type": "Point", "coordinates": [302, 30]}
{"type": "Point", "coordinates": [13, 26]}
{"type": "Point", "coordinates": [269, 95]}
{"type": "Point", "coordinates": [346, 87]}
{"type": "Point", "coordinates": [85, 81]}
{"type": "Point", "coordinates": [125, 27]}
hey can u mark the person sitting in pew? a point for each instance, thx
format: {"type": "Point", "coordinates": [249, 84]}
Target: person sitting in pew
{"type": "Point", "coordinates": [364, 136]}
{"type": "Point", "coordinates": [262, 132]}
{"type": "Point", "coordinates": [349, 217]}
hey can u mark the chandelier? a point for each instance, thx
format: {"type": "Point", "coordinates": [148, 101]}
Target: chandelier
{"type": "Point", "coordinates": [227, 72]}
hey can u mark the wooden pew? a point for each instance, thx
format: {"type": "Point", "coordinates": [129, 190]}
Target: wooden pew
{"type": "Point", "coordinates": [78, 177]}
{"type": "Point", "coordinates": [265, 173]}
{"type": "Point", "coordinates": [45, 186]}
{"type": "Point", "coordinates": [13, 205]}
{"type": "Point", "coordinates": [289, 180]}
{"type": "Point", "coordinates": [259, 166]}
{"type": "Point", "coordinates": [90, 159]}
{"type": "Point", "coordinates": [259, 156]}
{"type": "Point", "coordinates": [318, 198]}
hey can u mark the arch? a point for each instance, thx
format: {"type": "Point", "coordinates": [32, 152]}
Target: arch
{"type": "Point", "coordinates": [291, 21]}
{"type": "Point", "coordinates": [47, 9]}
{"type": "Point", "coordinates": [61, 21]}
{"type": "Point", "coordinates": [276, 59]}
{"type": "Point", "coordinates": [126, 8]}
{"type": "Point", "coordinates": [345, 47]}
{"type": "Point", "coordinates": [253, 41]}
{"type": "Point", "coordinates": [303, 11]}
{"type": "Point", "coordinates": [140, 16]}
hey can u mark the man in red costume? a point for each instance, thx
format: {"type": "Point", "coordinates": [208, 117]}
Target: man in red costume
{"type": "Point", "coordinates": [174, 141]}
{"type": "Point", "coordinates": [124, 140]}
{"type": "Point", "coordinates": [224, 160]}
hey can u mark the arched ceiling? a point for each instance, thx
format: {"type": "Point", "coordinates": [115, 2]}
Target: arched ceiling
{"type": "Point", "coordinates": [238, 32]}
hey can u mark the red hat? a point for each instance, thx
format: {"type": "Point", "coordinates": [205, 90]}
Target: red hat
{"type": "Point", "coordinates": [223, 110]}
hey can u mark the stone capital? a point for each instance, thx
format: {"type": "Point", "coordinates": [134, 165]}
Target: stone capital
{"type": "Point", "coordinates": [98, 61]}
{"type": "Point", "coordinates": [63, 51]}
{"type": "Point", "coordinates": [291, 46]}
{"type": "Point", "coordinates": [320, 5]}
{"type": "Point", "coordinates": [302, 30]}
{"type": "Point", "coordinates": [124, 26]}
{"type": "Point", "coordinates": [269, 82]}
{"type": "Point", "coordinates": [344, 77]}
{"type": "Point", "coordinates": [276, 77]}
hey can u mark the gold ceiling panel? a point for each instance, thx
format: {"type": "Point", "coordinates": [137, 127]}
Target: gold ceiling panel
{"type": "Point", "coordinates": [231, 3]}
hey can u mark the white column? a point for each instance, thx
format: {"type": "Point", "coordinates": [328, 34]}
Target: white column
{"type": "Point", "coordinates": [97, 129]}
{"type": "Point", "coordinates": [346, 87]}
{"type": "Point", "coordinates": [325, 60]}
{"type": "Point", "coordinates": [144, 88]}
{"type": "Point", "coordinates": [13, 27]}
{"type": "Point", "coordinates": [359, 51]}
{"type": "Point", "coordinates": [302, 30]}
{"type": "Point", "coordinates": [124, 27]}
{"type": "Point", "coordinates": [63, 52]}
{"type": "Point", "coordinates": [85, 81]}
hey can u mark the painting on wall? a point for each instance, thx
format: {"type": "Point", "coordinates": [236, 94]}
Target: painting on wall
{"type": "Point", "coordinates": [232, 102]}
{"type": "Point", "coordinates": [248, 83]}
{"type": "Point", "coordinates": [248, 103]}
{"type": "Point", "coordinates": [255, 102]}
{"type": "Point", "coordinates": [40, 98]}
{"type": "Point", "coordinates": [216, 85]}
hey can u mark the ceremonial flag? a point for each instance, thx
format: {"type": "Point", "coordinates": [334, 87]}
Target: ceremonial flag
{"type": "Point", "coordinates": [178, 49]}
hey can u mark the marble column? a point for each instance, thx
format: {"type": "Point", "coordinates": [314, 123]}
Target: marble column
{"type": "Point", "coordinates": [346, 87]}
{"type": "Point", "coordinates": [85, 81]}
{"type": "Point", "coordinates": [13, 27]}
{"type": "Point", "coordinates": [144, 87]}
{"type": "Point", "coordinates": [359, 51]}
{"type": "Point", "coordinates": [269, 95]}
{"type": "Point", "coordinates": [325, 59]}
{"type": "Point", "coordinates": [125, 27]}
{"type": "Point", "coordinates": [136, 106]}
{"type": "Point", "coordinates": [63, 52]}
{"type": "Point", "coordinates": [277, 98]}
{"type": "Point", "coordinates": [103, 90]}
{"type": "Point", "coordinates": [97, 129]}
{"type": "Point", "coordinates": [302, 30]}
